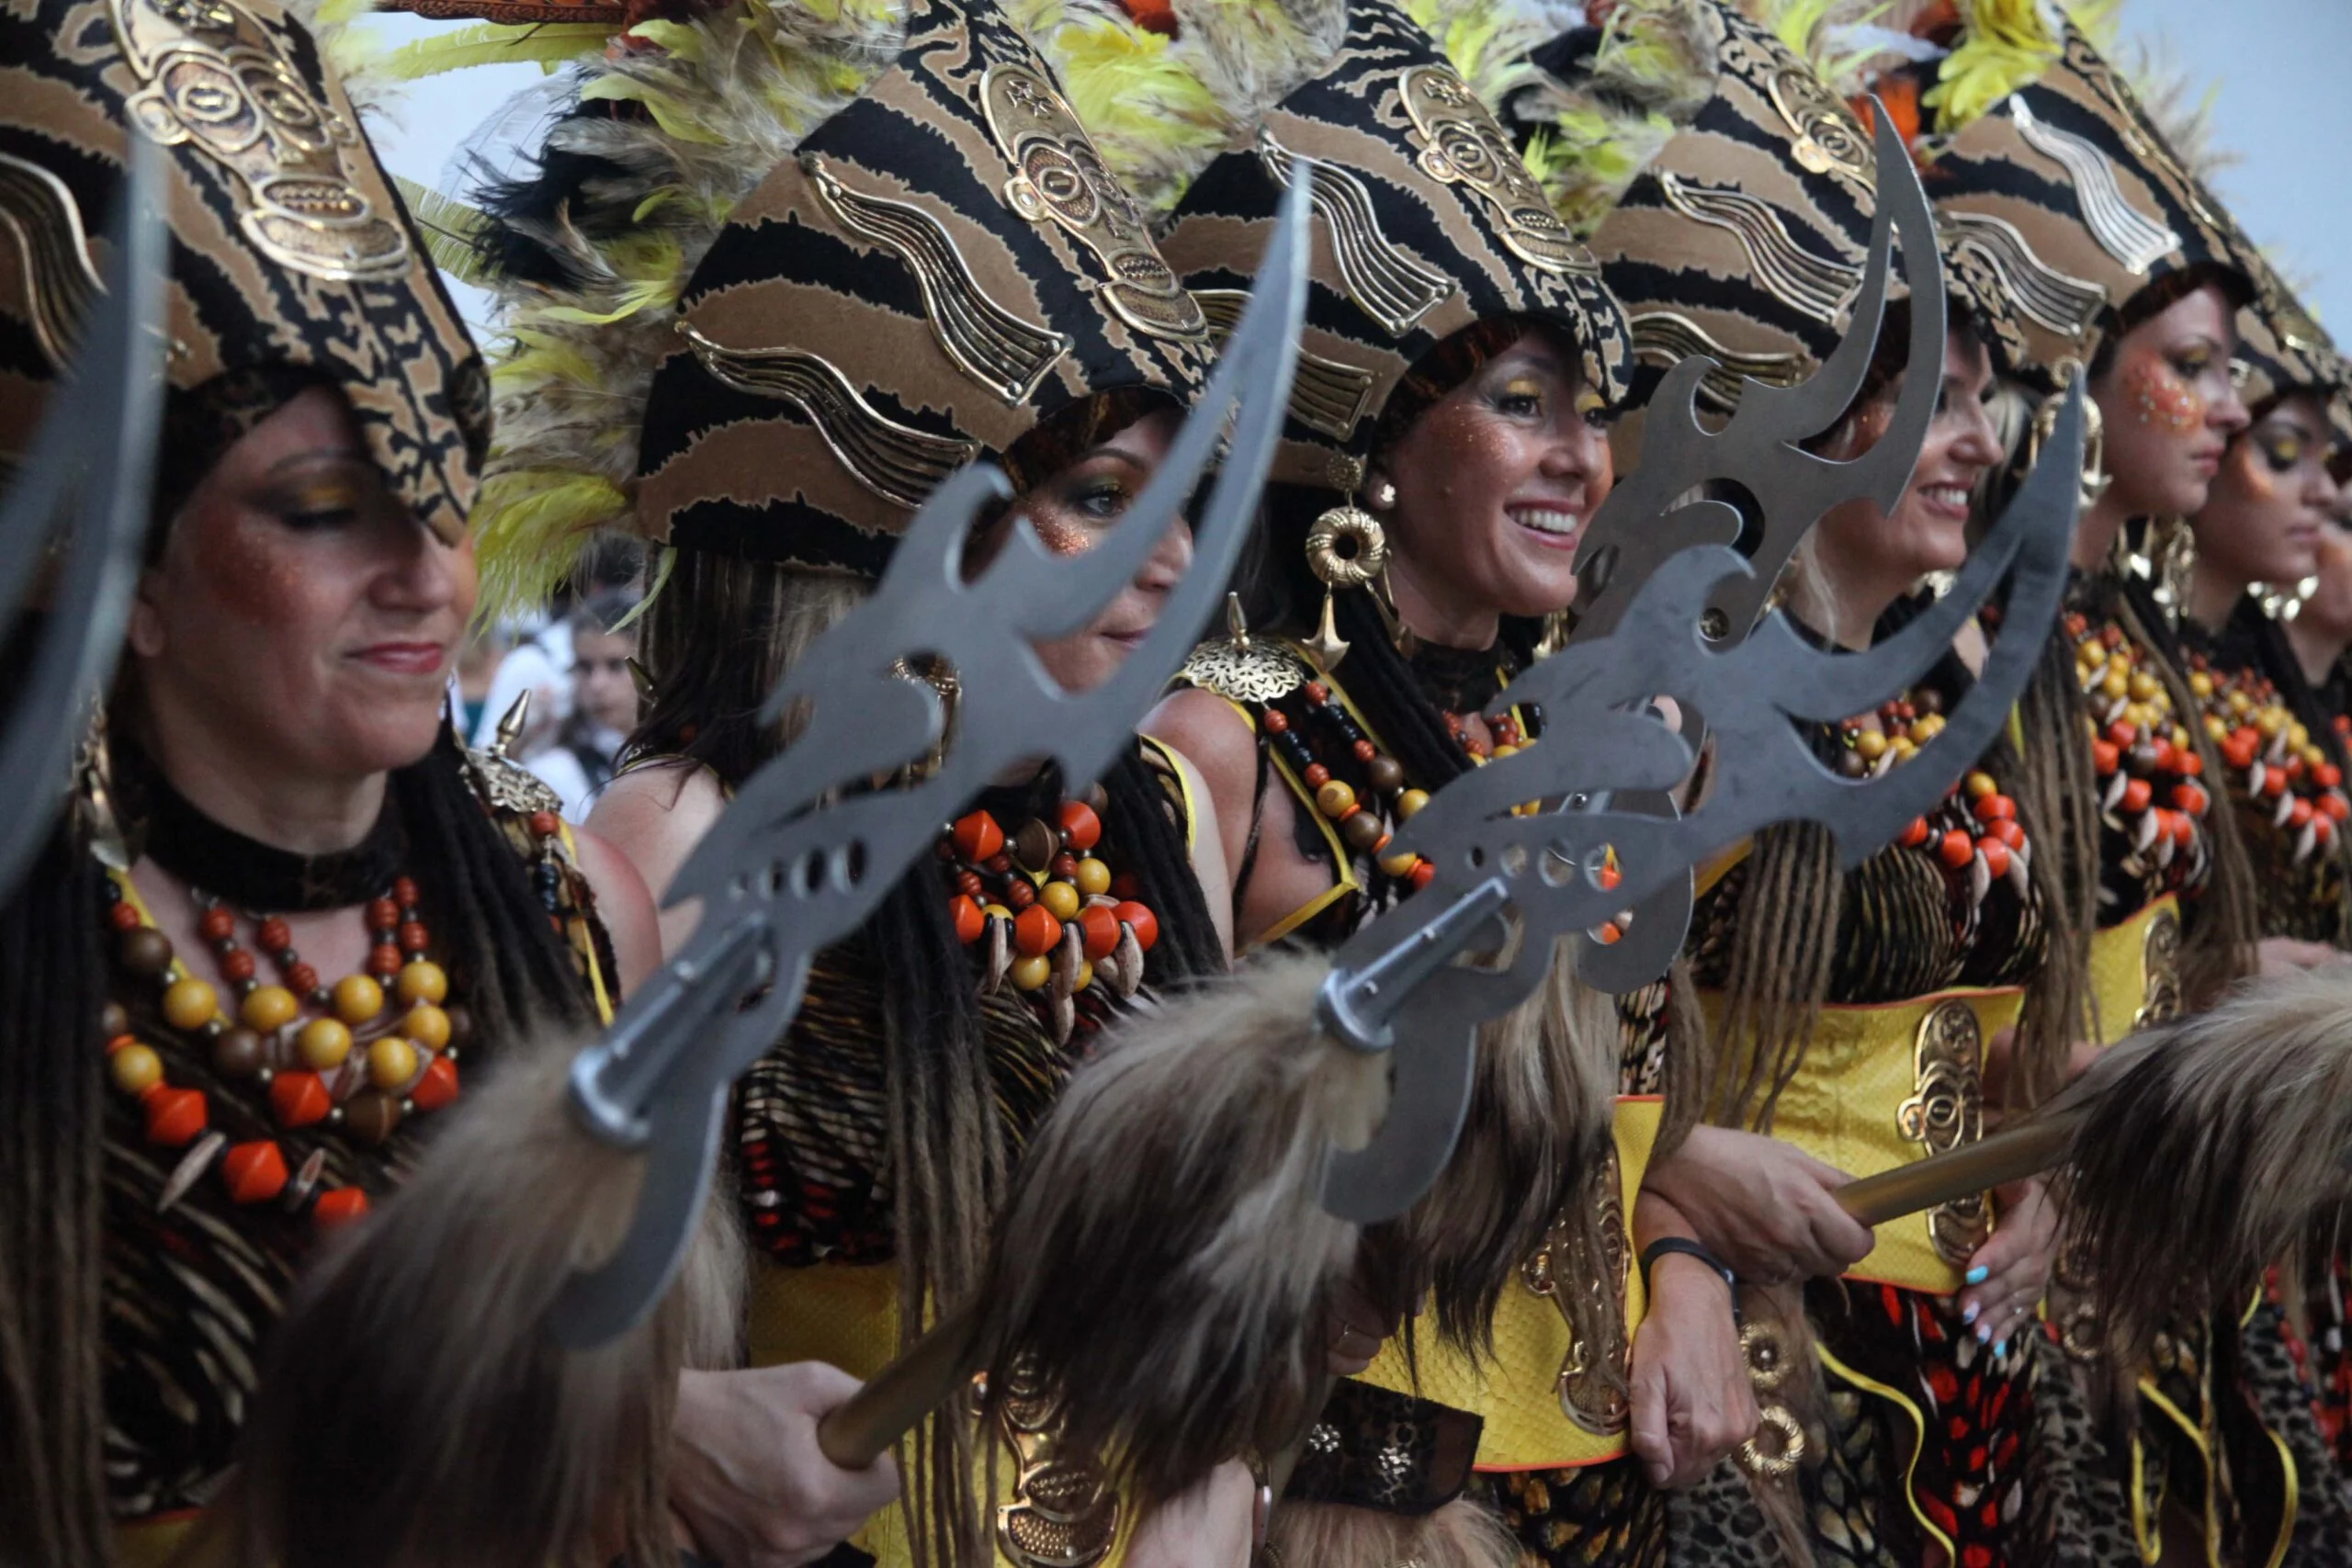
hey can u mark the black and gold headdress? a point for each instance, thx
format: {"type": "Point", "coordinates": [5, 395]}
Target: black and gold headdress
{"type": "Point", "coordinates": [2283, 350]}
{"type": "Point", "coordinates": [940, 267]}
{"type": "Point", "coordinates": [1744, 235]}
{"type": "Point", "coordinates": [2069, 188]}
{"type": "Point", "coordinates": [293, 261]}
{"type": "Point", "coordinates": [1427, 223]}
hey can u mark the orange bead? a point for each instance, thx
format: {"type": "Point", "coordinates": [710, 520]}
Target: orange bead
{"type": "Point", "coordinates": [339, 1206]}
{"type": "Point", "coordinates": [1423, 874]}
{"type": "Point", "coordinates": [175, 1116]}
{"type": "Point", "coordinates": [1100, 926]}
{"type": "Point", "coordinates": [1995, 807]}
{"type": "Point", "coordinates": [2184, 829]}
{"type": "Point", "coordinates": [1276, 721]}
{"type": "Point", "coordinates": [2136, 795]}
{"type": "Point", "coordinates": [970, 924]}
{"type": "Point", "coordinates": [2009, 833]}
{"type": "Point", "coordinates": [300, 1098]}
{"type": "Point", "coordinates": [977, 837]}
{"type": "Point", "coordinates": [2335, 805]}
{"type": "Point", "coordinates": [123, 916]}
{"type": "Point", "coordinates": [1996, 853]}
{"type": "Point", "coordinates": [2298, 814]}
{"type": "Point", "coordinates": [1037, 930]}
{"type": "Point", "coordinates": [2104, 756]}
{"type": "Point", "coordinates": [216, 924]}
{"type": "Point", "coordinates": [2188, 763]}
{"type": "Point", "coordinates": [545, 824]}
{"type": "Point", "coordinates": [1957, 849]}
{"type": "Point", "coordinates": [1081, 830]}
{"type": "Point", "coordinates": [2274, 782]}
{"type": "Point", "coordinates": [256, 1172]}
{"type": "Point", "coordinates": [2189, 798]}
{"type": "Point", "coordinates": [1141, 920]}
{"type": "Point", "coordinates": [1607, 934]}
{"type": "Point", "coordinates": [439, 1087]}
{"type": "Point", "coordinates": [1916, 834]}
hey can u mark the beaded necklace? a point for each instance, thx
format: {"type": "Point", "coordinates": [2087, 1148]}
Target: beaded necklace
{"type": "Point", "coordinates": [1974, 835]}
{"type": "Point", "coordinates": [357, 1065]}
{"type": "Point", "coordinates": [2271, 754]}
{"type": "Point", "coordinates": [2147, 764]}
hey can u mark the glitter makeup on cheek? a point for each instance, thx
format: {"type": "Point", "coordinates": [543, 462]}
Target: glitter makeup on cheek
{"type": "Point", "coordinates": [2162, 397]}
{"type": "Point", "coordinates": [1060, 536]}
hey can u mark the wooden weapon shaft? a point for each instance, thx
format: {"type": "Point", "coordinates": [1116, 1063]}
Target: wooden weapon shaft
{"type": "Point", "coordinates": [894, 1401]}
{"type": "Point", "coordinates": [2005, 1157]}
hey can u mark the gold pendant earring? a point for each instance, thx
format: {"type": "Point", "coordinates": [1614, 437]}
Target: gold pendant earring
{"type": "Point", "coordinates": [1346, 549]}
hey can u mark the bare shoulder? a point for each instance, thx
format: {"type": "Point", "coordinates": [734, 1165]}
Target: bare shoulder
{"type": "Point", "coordinates": [657, 812]}
{"type": "Point", "coordinates": [1212, 735]}
{"type": "Point", "coordinates": [623, 904]}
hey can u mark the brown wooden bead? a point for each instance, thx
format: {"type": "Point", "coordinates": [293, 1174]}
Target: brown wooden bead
{"type": "Point", "coordinates": [1035, 845]}
{"type": "Point", "coordinates": [1386, 775]}
{"type": "Point", "coordinates": [1361, 830]}
{"type": "Point", "coordinates": [461, 1024]}
{"type": "Point", "coordinates": [372, 1115]}
{"type": "Point", "coordinates": [237, 1053]}
{"type": "Point", "coordinates": [146, 951]}
{"type": "Point", "coordinates": [113, 1020]}
{"type": "Point", "coordinates": [1098, 797]}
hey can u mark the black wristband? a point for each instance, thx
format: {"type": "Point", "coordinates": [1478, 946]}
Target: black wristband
{"type": "Point", "coordinates": [1689, 1248]}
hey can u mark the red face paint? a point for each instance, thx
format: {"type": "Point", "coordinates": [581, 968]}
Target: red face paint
{"type": "Point", "coordinates": [2161, 396]}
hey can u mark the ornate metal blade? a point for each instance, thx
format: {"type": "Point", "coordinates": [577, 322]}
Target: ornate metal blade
{"type": "Point", "coordinates": [1641, 525]}
{"type": "Point", "coordinates": [808, 849]}
{"type": "Point", "coordinates": [1531, 880]}
{"type": "Point", "coordinates": [81, 501]}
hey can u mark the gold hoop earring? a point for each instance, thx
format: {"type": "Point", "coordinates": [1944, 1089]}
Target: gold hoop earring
{"type": "Point", "coordinates": [1346, 549]}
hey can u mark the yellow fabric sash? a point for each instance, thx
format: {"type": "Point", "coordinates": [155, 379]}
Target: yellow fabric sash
{"type": "Point", "coordinates": [1518, 1390]}
{"type": "Point", "coordinates": [1882, 1086]}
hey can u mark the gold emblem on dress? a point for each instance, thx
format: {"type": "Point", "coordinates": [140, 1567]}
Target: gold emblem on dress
{"type": "Point", "coordinates": [1062, 1515]}
{"type": "Point", "coordinates": [898, 462]}
{"type": "Point", "coordinates": [2159, 971]}
{"type": "Point", "coordinates": [1592, 1382]}
{"type": "Point", "coordinates": [215, 78]}
{"type": "Point", "coordinates": [1462, 145]}
{"type": "Point", "coordinates": [990, 343]}
{"type": "Point", "coordinates": [1062, 179]}
{"type": "Point", "coordinates": [1243, 671]}
{"type": "Point", "coordinates": [1386, 283]}
{"type": "Point", "coordinates": [1946, 1111]}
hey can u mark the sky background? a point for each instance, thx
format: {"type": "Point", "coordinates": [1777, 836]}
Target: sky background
{"type": "Point", "coordinates": [2278, 71]}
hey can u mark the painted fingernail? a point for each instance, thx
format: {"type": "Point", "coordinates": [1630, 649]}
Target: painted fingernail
{"type": "Point", "coordinates": [1968, 1315]}
{"type": "Point", "coordinates": [1976, 1276]}
{"type": "Point", "coordinates": [1985, 1334]}
{"type": "Point", "coordinates": [2002, 1349]}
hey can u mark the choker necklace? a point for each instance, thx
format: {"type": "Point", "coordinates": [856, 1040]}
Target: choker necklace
{"type": "Point", "coordinates": [1458, 680]}
{"type": "Point", "coordinates": [250, 874]}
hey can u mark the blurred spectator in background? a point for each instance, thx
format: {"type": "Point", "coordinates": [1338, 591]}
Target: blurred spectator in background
{"type": "Point", "coordinates": [533, 653]}
{"type": "Point", "coordinates": [602, 702]}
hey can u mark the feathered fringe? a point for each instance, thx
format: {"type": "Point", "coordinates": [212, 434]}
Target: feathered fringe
{"type": "Point", "coordinates": [1463, 1534]}
{"type": "Point", "coordinates": [1164, 1263]}
{"type": "Point", "coordinates": [2208, 1152]}
{"type": "Point", "coordinates": [1654, 69]}
{"type": "Point", "coordinates": [687, 118]}
{"type": "Point", "coordinates": [414, 1412]}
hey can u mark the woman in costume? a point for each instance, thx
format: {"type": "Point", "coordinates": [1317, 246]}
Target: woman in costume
{"type": "Point", "coordinates": [2047, 166]}
{"type": "Point", "coordinates": [1850, 1014]}
{"type": "Point", "coordinates": [2257, 538]}
{"type": "Point", "coordinates": [903, 283]}
{"type": "Point", "coordinates": [291, 918]}
{"type": "Point", "coordinates": [1444, 450]}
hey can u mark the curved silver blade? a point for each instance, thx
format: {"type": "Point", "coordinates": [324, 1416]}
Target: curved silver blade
{"type": "Point", "coordinates": [808, 849]}
{"type": "Point", "coordinates": [81, 501]}
{"type": "Point", "coordinates": [1758, 696]}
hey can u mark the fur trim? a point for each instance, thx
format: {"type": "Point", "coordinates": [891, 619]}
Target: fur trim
{"type": "Point", "coordinates": [415, 1411]}
{"type": "Point", "coordinates": [1463, 1534]}
{"type": "Point", "coordinates": [2206, 1151]}
{"type": "Point", "coordinates": [1178, 1319]}
{"type": "Point", "coordinates": [1653, 70]}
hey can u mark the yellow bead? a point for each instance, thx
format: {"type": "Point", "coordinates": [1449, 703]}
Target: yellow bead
{"type": "Point", "coordinates": [1334, 798]}
{"type": "Point", "coordinates": [1981, 784]}
{"type": "Point", "coordinates": [1061, 898]}
{"type": "Point", "coordinates": [1871, 744]}
{"type": "Point", "coordinates": [1505, 750]}
{"type": "Point", "coordinates": [2088, 653]}
{"type": "Point", "coordinates": [1904, 748]}
{"type": "Point", "coordinates": [1093, 877]}
{"type": "Point", "coordinates": [2270, 721]}
{"type": "Point", "coordinates": [2200, 684]}
{"type": "Point", "coordinates": [2143, 685]}
{"type": "Point", "coordinates": [428, 1025]}
{"type": "Point", "coordinates": [189, 1004]}
{"type": "Point", "coordinates": [324, 1044]}
{"type": "Point", "coordinates": [996, 911]}
{"type": "Point", "coordinates": [1033, 971]}
{"type": "Point", "coordinates": [268, 1009]}
{"type": "Point", "coordinates": [1085, 974]}
{"type": "Point", "coordinates": [357, 998]}
{"type": "Point", "coordinates": [1399, 865]}
{"type": "Point", "coordinates": [421, 980]}
{"type": "Point", "coordinates": [2115, 683]}
{"type": "Point", "coordinates": [2297, 737]}
{"type": "Point", "coordinates": [136, 1068]}
{"type": "Point", "coordinates": [2240, 703]}
{"type": "Point", "coordinates": [2215, 728]}
{"type": "Point", "coordinates": [1409, 803]}
{"type": "Point", "coordinates": [392, 1061]}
